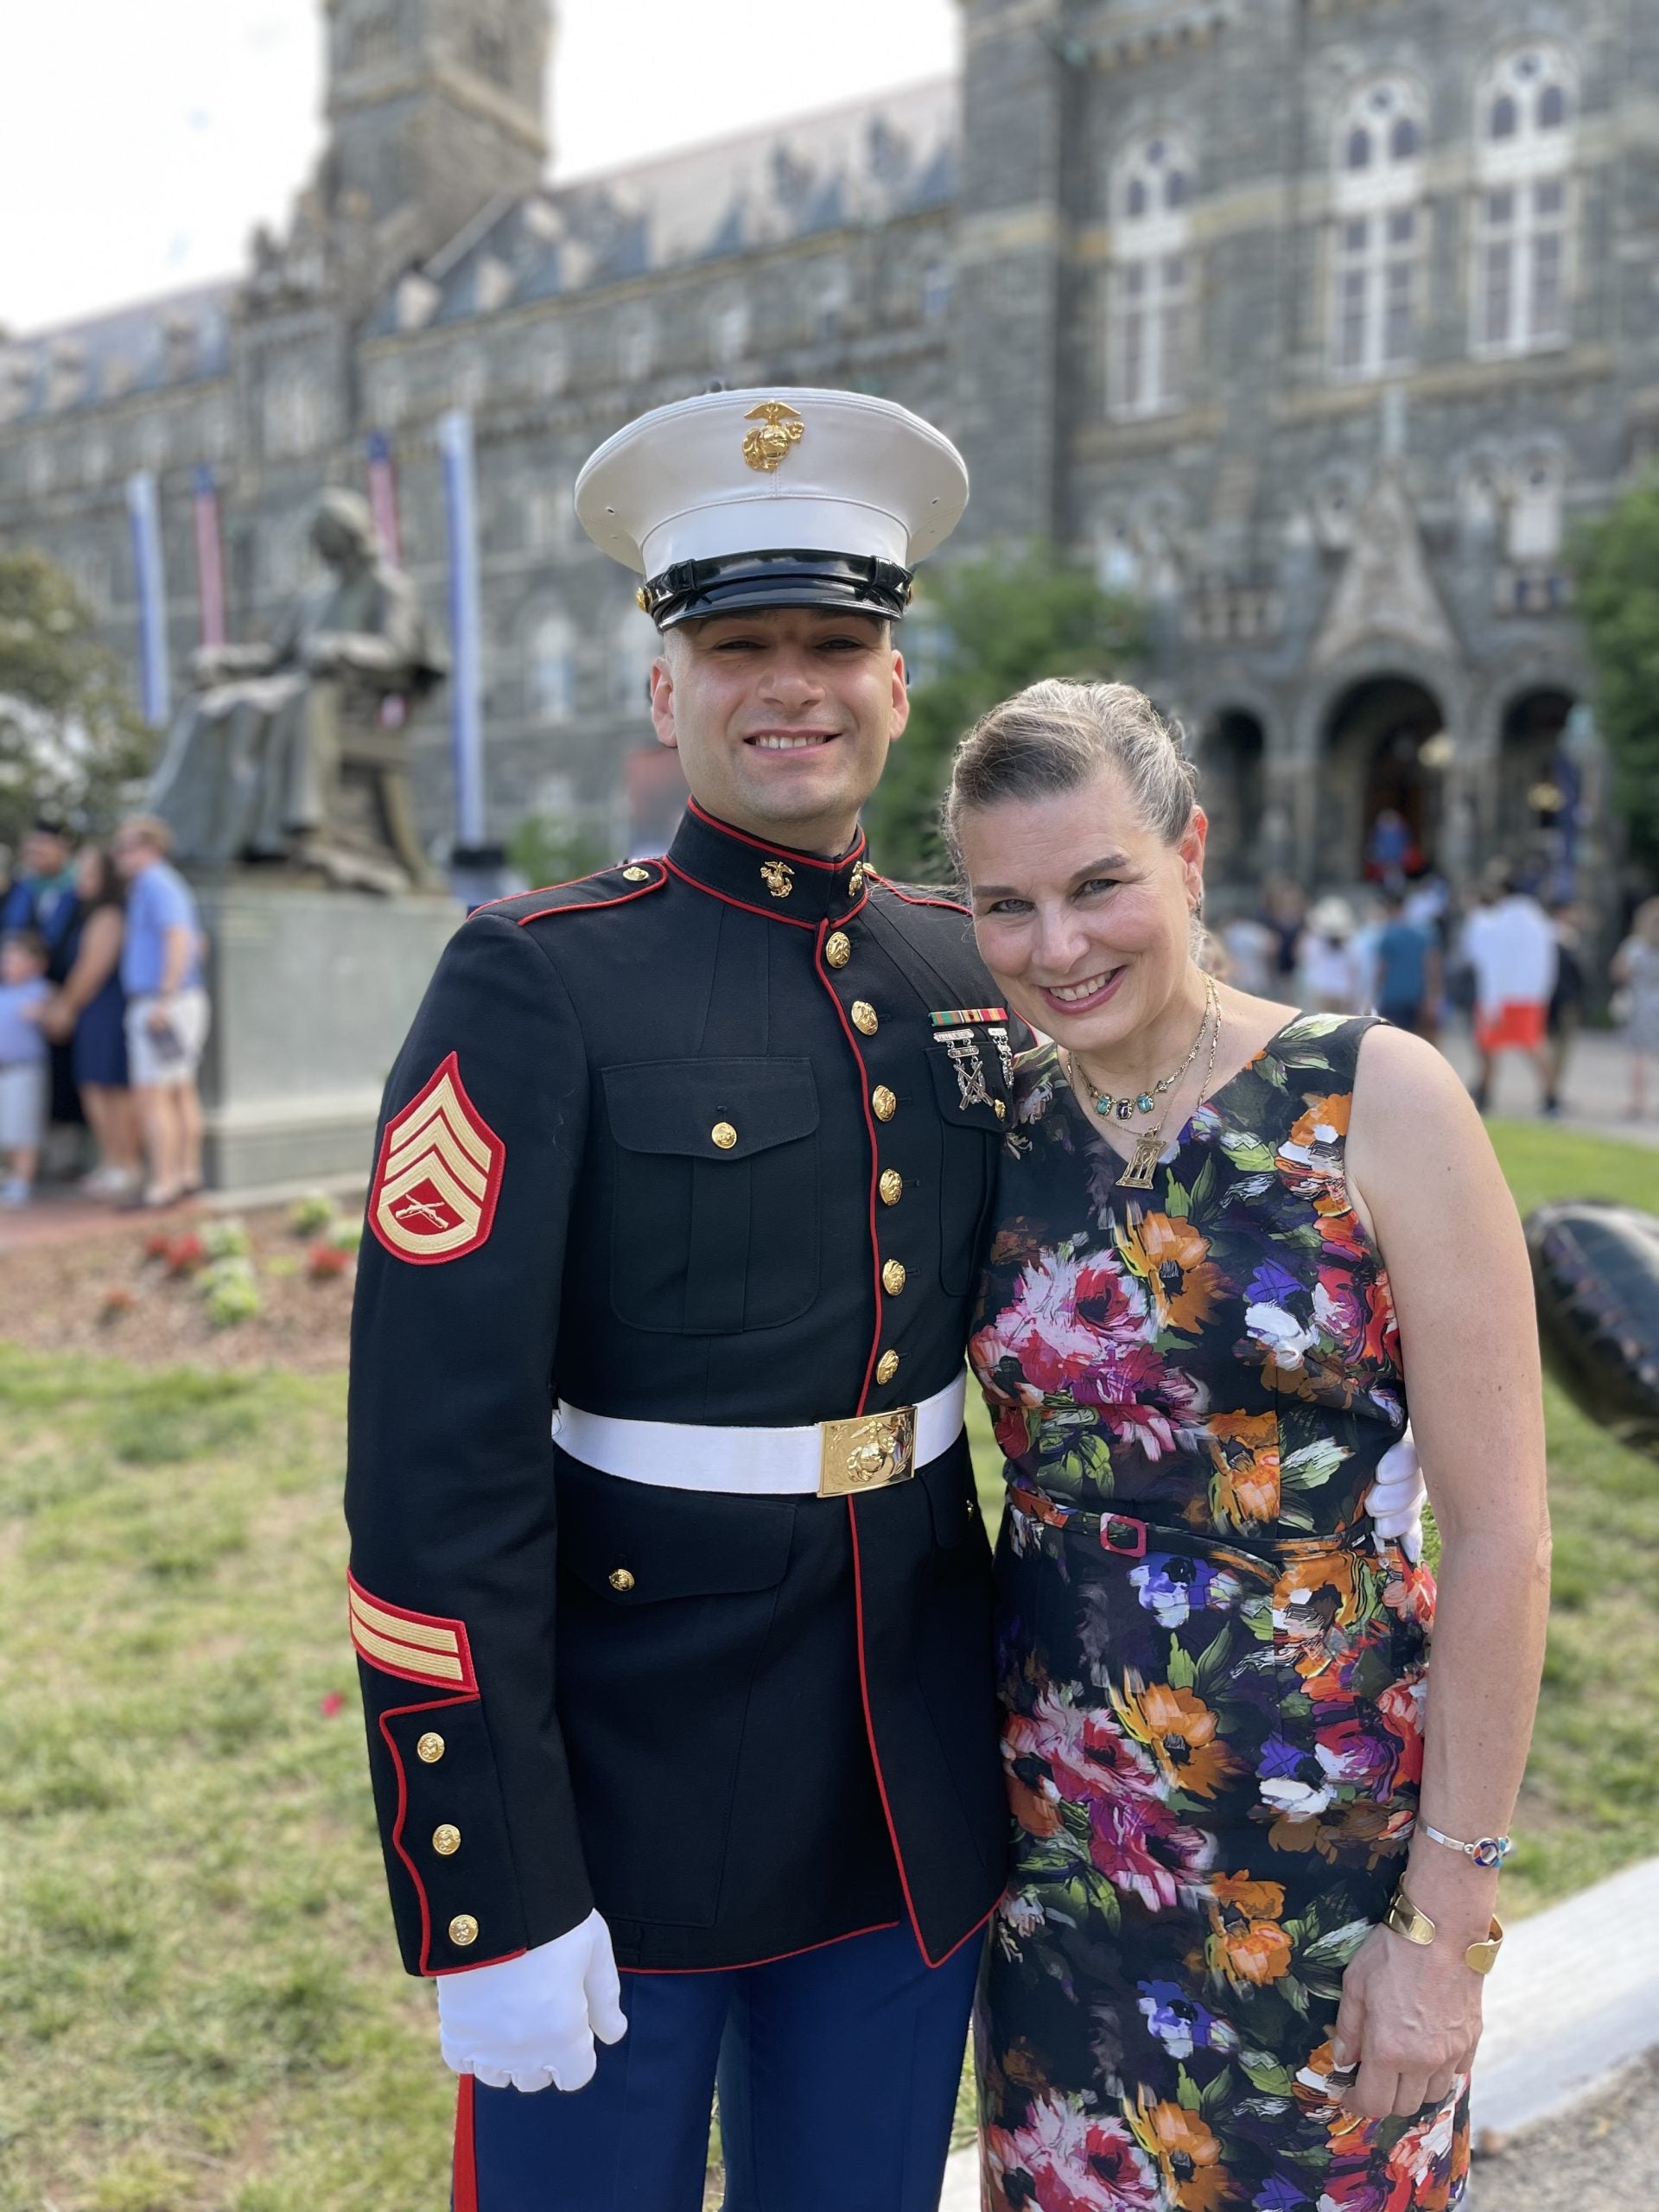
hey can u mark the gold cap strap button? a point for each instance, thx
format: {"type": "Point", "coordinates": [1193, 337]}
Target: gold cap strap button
{"type": "Point", "coordinates": [838, 949]}
{"type": "Point", "coordinates": [446, 1840]}
{"type": "Point", "coordinates": [866, 1020]}
{"type": "Point", "coordinates": [885, 1103]}
{"type": "Point", "coordinates": [892, 1187]}
{"type": "Point", "coordinates": [430, 1748]}
{"type": "Point", "coordinates": [886, 1367]}
{"type": "Point", "coordinates": [724, 1135]}
{"type": "Point", "coordinates": [893, 1278]}
{"type": "Point", "coordinates": [463, 1931]}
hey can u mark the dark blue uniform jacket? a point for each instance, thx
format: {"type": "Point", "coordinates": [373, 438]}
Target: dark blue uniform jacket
{"type": "Point", "coordinates": [682, 1143]}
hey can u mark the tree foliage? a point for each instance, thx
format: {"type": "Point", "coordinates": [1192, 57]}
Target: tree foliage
{"type": "Point", "coordinates": [993, 626]}
{"type": "Point", "coordinates": [546, 849]}
{"type": "Point", "coordinates": [1615, 564]}
{"type": "Point", "coordinates": [72, 743]}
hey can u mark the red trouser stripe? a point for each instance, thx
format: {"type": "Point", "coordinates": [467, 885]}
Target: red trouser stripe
{"type": "Point", "coordinates": [464, 2198]}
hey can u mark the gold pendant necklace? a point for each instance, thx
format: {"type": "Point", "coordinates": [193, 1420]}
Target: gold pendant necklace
{"type": "Point", "coordinates": [1149, 1147]}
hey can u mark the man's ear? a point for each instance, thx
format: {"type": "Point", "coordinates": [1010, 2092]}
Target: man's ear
{"type": "Point", "coordinates": [662, 703]}
{"type": "Point", "coordinates": [900, 697]}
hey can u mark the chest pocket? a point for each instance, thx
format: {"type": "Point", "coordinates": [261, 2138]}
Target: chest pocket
{"type": "Point", "coordinates": [714, 1209]}
{"type": "Point", "coordinates": [973, 1086]}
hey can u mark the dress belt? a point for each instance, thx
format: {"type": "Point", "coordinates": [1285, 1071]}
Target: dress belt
{"type": "Point", "coordinates": [831, 1458]}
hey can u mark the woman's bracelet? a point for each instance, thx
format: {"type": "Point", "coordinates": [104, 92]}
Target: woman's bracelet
{"type": "Point", "coordinates": [1485, 1851]}
{"type": "Point", "coordinates": [1408, 1920]}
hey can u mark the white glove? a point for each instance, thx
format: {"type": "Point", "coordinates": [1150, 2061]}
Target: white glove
{"type": "Point", "coordinates": [530, 2021]}
{"type": "Point", "coordinates": [1396, 1498]}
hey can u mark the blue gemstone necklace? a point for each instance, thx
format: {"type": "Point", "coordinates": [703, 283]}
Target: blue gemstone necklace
{"type": "Point", "coordinates": [1125, 1106]}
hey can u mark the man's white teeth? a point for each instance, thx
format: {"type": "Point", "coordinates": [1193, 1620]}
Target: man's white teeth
{"type": "Point", "coordinates": [788, 744]}
{"type": "Point", "coordinates": [1066, 993]}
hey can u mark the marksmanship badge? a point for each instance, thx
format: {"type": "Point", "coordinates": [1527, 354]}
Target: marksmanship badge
{"type": "Point", "coordinates": [963, 1048]}
{"type": "Point", "coordinates": [438, 1176]}
{"type": "Point", "coordinates": [768, 449]}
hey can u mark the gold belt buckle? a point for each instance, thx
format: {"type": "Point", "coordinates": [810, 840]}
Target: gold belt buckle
{"type": "Point", "coordinates": [873, 1451]}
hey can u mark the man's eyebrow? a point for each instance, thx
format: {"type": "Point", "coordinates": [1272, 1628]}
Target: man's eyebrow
{"type": "Point", "coordinates": [1108, 866]}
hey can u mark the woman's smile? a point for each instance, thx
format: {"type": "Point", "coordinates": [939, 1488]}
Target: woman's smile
{"type": "Point", "coordinates": [1083, 997]}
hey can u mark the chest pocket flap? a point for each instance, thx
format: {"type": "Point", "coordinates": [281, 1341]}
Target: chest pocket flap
{"type": "Point", "coordinates": [973, 1075]}
{"type": "Point", "coordinates": [677, 1106]}
{"type": "Point", "coordinates": [711, 1155]}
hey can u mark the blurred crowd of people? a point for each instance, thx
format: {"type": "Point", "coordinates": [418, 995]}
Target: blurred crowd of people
{"type": "Point", "coordinates": [104, 1015]}
{"type": "Point", "coordinates": [1515, 965]}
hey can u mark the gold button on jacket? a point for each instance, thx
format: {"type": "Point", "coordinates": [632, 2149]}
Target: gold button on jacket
{"type": "Point", "coordinates": [892, 1187]}
{"type": "Point", "coordinates": [430, 1749]}
{"type": "Point", "coordinates": [463, 1929]}
{"type": "Point", "coordinates": [837, 949]}
{"type": "Point", "coordinates": [865, 1018]}
{"type": "Point", "coordinates": [886, 1367]}
{"type": "Point", "coordinates": [620, 1579]}
{"type": "Point", "coordinates": [893, 1278]}
{"type": "Point", "coordinates": [885, 1103]}
{"type": "Point", "coordinates": [446, 1840]}
{"type": "Point", "coordinates": [724, 1135]}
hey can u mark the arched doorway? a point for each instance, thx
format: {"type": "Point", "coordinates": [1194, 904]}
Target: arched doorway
{"type": "Point", "coordinates": [1380, 790]}
{"type": "Point", "coordinates": [1231, 786]}
{"type": "Point", "coordinates": [1537, 783]}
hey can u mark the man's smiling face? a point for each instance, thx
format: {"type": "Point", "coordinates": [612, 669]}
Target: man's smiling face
{"type": "Point", "coordinates": [782, 718]}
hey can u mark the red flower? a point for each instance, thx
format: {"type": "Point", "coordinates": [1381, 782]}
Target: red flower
{"type": "Point", "coordinates": [185, 1255]}
{"type": "Point", "coordinates": [326, 1262]}
{"type": "Point", "coordinates": [331, 1703]}
{"type": "Point", "coordinates": [1139, 1845]}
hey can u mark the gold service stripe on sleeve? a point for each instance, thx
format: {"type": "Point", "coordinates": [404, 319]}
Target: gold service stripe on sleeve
{"type": "Point", "coordinates": [406, 1656]}
{"type": "Point", "coordinates": [403, 1631]}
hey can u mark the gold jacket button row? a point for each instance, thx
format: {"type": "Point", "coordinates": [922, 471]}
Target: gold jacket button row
{"type": "Point", "coordinates": [463, 1931]}
{"type": "Point", "coordinates": [886, 1367]}
{"type": "Point", "coordinates": [838, 948]}
{"type": "Point", "coordinates": [885, 1103]}
{"type": "Point", "coordinates": [893, 1278]}
{"type": "Point", "coordinates": [446, 1840]}
{"type": "Point", "coordinates": [430, 1748]}
{"type": "Point", "coordinates": [865, 1020]}
{"type": "Point", "coordinates": [892, 1187]}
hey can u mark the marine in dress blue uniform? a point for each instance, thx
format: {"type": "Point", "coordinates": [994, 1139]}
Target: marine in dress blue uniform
{"type": "Point", "coordinates": [669, 1589]}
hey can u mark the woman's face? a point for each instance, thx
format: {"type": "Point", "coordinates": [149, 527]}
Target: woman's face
{"type": "Point", "coordinates": [1082, 913]}
{"type": "Point", "coordinates": [89, 872]}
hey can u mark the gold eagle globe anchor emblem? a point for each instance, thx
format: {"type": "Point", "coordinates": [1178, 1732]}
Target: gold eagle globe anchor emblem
{"type": "Point", "coordinates": [779, 877]}
{"type": "Point", "coordinates": [768, 448]}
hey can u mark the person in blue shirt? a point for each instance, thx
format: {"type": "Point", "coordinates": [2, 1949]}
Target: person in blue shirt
{"type": "Point", "coordinates": [167, 1008]}
{"type": "Point", "coordinates": [43, 890]}
{"type": "Point", "coordinates": [1407, 961]}
{"type": "Point", "coordinates": [24, 993]}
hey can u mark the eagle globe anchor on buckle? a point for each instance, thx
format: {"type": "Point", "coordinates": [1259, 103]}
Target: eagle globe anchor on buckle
{"type": "Point", "coordinates": [870, 1452]}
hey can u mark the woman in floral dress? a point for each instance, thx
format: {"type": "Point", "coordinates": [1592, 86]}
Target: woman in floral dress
{"type": "Point", "coordinates": [1222, 1752]}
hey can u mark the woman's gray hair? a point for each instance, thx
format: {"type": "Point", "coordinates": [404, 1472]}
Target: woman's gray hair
{"type": "Point", "coordinates": [1056, 735]}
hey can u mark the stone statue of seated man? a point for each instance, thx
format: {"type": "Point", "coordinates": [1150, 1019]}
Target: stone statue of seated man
{"type": "Point", "coordinates": [252, 768]}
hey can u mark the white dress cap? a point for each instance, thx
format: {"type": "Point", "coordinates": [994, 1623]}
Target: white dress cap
{"type": "Point", "coordinates": [782, 496]}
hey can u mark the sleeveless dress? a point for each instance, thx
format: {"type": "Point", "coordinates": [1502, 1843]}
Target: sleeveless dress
{"type": "Point", "coordinates": [1213, 1670]}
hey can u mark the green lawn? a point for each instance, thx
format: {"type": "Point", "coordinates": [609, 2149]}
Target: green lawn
{"type": "Point", "coordinates": [200, 2007]}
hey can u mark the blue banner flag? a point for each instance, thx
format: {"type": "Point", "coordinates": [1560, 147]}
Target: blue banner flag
{"type": "Point", "coordinates": [465, 678]}
{"type": "Point", "coordinates": [144, 519]}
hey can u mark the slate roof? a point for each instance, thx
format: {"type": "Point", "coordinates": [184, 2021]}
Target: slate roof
{"type": "Point", "coordinates": [175, 341]}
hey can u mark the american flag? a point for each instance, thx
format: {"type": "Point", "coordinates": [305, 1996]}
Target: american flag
{"type": "Point", "coordinates": [210, 558]}
{"type": "Point", "coordinates": [382, 494]}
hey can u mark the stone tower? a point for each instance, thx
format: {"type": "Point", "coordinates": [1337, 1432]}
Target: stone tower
{"type": "Point", "coordinates": [434, 107]}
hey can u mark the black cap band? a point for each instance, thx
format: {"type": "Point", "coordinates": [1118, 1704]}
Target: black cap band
{"type": "Point", "coordinates": [849, 583]}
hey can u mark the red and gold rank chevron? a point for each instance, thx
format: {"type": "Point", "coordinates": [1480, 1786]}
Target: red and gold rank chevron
{"type": "Point", "coordinates": [438, 1176]}
{"type": "Point", "coordinates": [421, 1647]}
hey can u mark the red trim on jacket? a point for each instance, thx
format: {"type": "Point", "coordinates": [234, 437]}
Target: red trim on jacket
{"type": "Point", "coordinates": [582, 905]}
{"type": "Point", "coordinates": [870, 1734]}
{"type": "Point", "coordinates": [464, 2173]}
{"type": "Point", "coordinates": [783, 852]}
{"type": "Point", "coordinates": [745, 1965]}
{"type": "Point", "coordinates": [742, 905]}
{"type": "Point", "coordinates": [912, 898]}
{"type": "Point", "coordinates": [876, 1163]}
{"type": "Point", "coordinates": [457, 1648]}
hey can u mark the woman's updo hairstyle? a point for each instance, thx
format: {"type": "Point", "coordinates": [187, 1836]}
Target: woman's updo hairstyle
{"type": "Point", "coordinates": [1056, 736]}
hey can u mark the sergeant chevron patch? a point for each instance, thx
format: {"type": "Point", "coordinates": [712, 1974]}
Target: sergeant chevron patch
{"type": "Point", "coordinates": [438, 1176]}
{"type": "Point", "coordinates": [421, 1647]}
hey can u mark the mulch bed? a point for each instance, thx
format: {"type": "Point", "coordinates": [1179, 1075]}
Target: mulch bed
{"type": "Point", "coordinates": [101, 1293]}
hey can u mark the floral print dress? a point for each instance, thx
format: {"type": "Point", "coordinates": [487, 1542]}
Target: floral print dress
{"type": "Point", "coordinates": [1213, 1670]}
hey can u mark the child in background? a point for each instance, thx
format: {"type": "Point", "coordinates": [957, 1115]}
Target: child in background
{"type": "Point", "coordinates": [24, 1061]}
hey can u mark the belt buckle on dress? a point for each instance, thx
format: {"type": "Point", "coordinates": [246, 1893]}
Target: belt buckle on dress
{"type": "Point", "coordinates": [1118, 1533]}
{"type": "Point", "coordinates": [872, 1452]}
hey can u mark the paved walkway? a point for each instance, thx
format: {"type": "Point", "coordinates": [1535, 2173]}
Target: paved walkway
{"type": "Point", "coordinates": [1567, 2088]}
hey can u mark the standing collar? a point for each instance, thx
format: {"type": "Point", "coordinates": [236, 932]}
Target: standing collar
{"type": "Point", "coordinates": [782, 885]}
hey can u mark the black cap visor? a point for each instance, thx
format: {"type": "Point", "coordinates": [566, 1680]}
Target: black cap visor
{"type": "Point", "coordinates": [735, 583]}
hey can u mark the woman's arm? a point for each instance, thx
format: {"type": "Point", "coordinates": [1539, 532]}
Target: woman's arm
{"type": "Point", "coordinates": [1426, 1181]}
{"type": "Point", "coordinates": [95, 961]}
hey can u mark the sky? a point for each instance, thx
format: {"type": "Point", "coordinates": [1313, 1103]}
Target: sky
{"type": "Point", "coordinates": [141, 140]}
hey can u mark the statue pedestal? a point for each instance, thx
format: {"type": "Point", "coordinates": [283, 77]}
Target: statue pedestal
{"type": "Point", "coordinates": [312, 991]}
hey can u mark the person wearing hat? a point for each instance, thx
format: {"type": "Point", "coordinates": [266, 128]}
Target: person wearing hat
{"type": "Point", "coordinates": [670, 1595]}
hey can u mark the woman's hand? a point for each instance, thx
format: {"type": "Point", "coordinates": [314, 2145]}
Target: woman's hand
{"type": "Point", "coordinates": [1409, 2021]}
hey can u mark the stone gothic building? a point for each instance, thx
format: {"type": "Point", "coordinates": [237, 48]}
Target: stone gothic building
{"type": "Point", "coordinates": [1314, 323]}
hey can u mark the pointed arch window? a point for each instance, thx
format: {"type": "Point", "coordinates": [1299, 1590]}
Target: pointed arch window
{"type": "Point", "coordinates": [1380, 226]}
{"type": "Point", "coordinates": [1151, 278]}
{"type": "Point", "coordinates": [1522, 223]}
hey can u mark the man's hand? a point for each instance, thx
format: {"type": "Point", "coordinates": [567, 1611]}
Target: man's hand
{"type": "Point", "coordinates": [1396, 1498]}
{"type": "Point", "coordinates": [530, 2021]}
